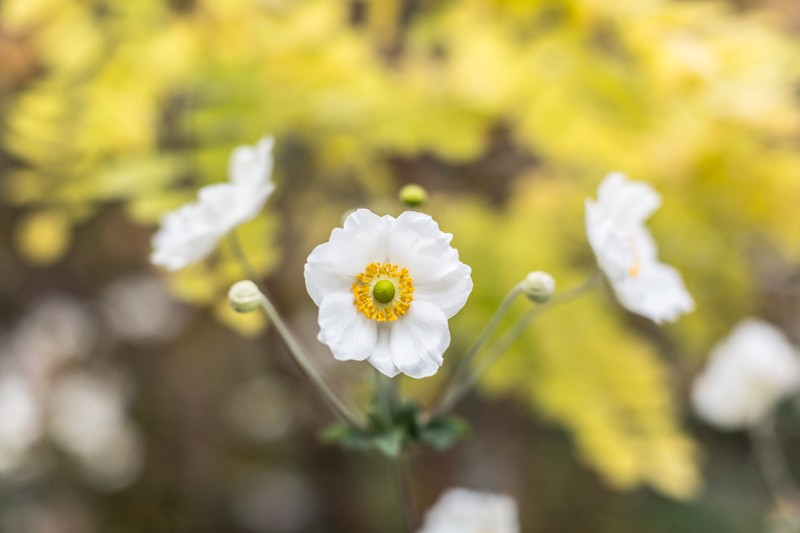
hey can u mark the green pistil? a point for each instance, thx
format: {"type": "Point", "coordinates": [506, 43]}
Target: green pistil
{"type": "Point", "coordinates": [383, 291]}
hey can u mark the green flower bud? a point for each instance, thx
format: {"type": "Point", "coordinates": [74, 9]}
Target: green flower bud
{"type": "Point", "coordinates": [244, 296]}
{"type": "Point", "coordinates": [539, 286]}
{"type": "Point", "coordinates": [413, 195]}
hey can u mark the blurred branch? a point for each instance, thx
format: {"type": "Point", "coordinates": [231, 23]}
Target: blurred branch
{"type": "Point", "coordinates": [773, 465]}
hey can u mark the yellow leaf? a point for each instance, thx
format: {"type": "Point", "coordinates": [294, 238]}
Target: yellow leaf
{"type": "Point", "coordinates": [42, 237]}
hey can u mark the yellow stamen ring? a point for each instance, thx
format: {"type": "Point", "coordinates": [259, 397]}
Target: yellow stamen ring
{"type": "Point", "coordinates": [371, 292]}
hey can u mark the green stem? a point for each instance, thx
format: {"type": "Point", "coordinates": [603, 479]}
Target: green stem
{"type": "Point", "coordinates": [346, 412]}
{"type": "Point", "coordinates": [385, 398]}
{"type": "Point", "coordinates": [387, 401]}
{"type": "Point", "coordinates": [501, 345]}
{"type": "Point", "coordinates": [773, 465]}
{"type": "Point", "coordinates": [403, 479]}
{"type": "Point", "coordinates": [462, 367]}
{"type": "Point", "coordinates": [238, 252]}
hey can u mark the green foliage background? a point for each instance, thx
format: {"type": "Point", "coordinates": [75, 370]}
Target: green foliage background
{"type": "Point", "coordinates": [509, 111]}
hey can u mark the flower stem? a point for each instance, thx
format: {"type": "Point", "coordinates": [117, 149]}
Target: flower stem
{"type": "Point", "coordinates": [501, 345]}
{"type": "Point", "coordinates": [346, 412]}
{"type": "Point", "coordinates": [241, 257]}
{"type": "Point", "coordinates": [461, 371]}
{"type": "Point", "coordinates": [387, 401]}
{"type": "Point", "coordinates": [773, 465]}
{"type": "Point", "coordinates": [339, 407]}
{"type": "Point", "coordinates": [385, 397]}
{"type": "Point", "coordinates": [403, 478]}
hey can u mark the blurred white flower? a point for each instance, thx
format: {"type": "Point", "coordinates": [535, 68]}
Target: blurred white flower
{"type": "Point", "coordinates": [191, 232]}
{"type": "Point", "coordinates": [140, 308]}
{"type": "Point", "coordinates": [88, 419]}
{"type": "Point", "coordinates": [20, 420]}
{"type": "Point", "coordinates": [747, 374]}
{"type": "Point", "coordinates": [627, 254]}
{"type": "Point", "coordinates": [385, 288]}
{"type": "Point", "coordinates": [466, 511]}
{"type": "Point", "coordinates": [56, 332]}
{"type": "Point", "coordinates": [86, 413]}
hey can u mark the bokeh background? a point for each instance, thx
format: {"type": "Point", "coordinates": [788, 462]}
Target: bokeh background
{"type": "Point", "coordinates": [135, 401]}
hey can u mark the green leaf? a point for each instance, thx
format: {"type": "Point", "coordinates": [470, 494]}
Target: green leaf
{"type": "Point", "coordinates": [390, 444]}
{"type": "Point", "coordinates": [442, 433]}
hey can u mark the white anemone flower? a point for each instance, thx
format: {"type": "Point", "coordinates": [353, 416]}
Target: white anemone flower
{"type": "Point", "coordinates": [466, 511]}
{"type": "Point", "coordinates": [748, 373]}
{"type": "Point", "coordinates": [191, 232]}
{"type": "Point", "coordinates": [627, 254]}
{"type": "Point", "coordinates": [385, 288]}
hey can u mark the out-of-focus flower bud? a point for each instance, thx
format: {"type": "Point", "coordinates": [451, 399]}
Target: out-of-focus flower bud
{"type": "Point", "coordinates": [413, 195]}
{"type": "Point", "coordinates": [244, 296]}
{"type": "Point", "coordinates": [539, 286]}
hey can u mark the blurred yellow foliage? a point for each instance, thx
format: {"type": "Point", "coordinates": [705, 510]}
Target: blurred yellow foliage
{"type": "Point", "coordinates": [43, 236]}
{"type": "Point", "coordinates": [147, 98]}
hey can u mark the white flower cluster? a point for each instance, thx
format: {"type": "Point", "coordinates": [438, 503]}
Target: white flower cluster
{"type": "Point", "coordinates": [387, 286]}
{"type": "Point", "coordinates": [45, 396]}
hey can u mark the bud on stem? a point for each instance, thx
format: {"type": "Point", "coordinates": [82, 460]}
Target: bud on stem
{"type": "Point", "coordinates": [244, 296]}
{"type": "Point", "coordinates": [539, 286]}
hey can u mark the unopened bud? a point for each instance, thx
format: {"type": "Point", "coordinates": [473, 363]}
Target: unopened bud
{"type": "Point", "coordinates": [413, 195]}
{"type": "Point", "coordinates": [539, 286]}
{"type": "Point", "coordinates": [244, 296]}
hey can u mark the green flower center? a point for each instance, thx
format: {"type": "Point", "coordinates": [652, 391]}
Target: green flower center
{"type": "Point", "coordinates": [383, 291]}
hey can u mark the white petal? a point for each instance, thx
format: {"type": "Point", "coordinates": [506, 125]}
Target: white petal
{"type": "Point", "coordinates": [627, 254]}
{"type": "Point", "coordinates": [349, 334]}
{"type": "Point", "coordinates": [190, 233]}
{"type": "Point", "coordinates": [417, 243]}
{"type": "Point", "coordinates": [419, 339]}
{"type": "Point", "coordinates": [629, 203]}
{"type": "Point", "coordinates": [721, 399]}
{"type": "Point", "coordinates": [449, 293]}
{"type": "Point", "coordinates": [613, 251]}
{"type": "Point", "coordinates": [467, 511]}
{"type": "Point", "coordinates": [657, 293]}
{"type": "Point", "coordinates": [381, 358]}
{"type": "Point", "coordinates": [333, 266]}
{"type": "Point", "coordinates": [222, 207]}
{"type": "Point", "coordinates": [187, 235]}
{"type": "Point", "coordinates": [597, 226]}
{"type": "Point", "coordinates": [251, 164]}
